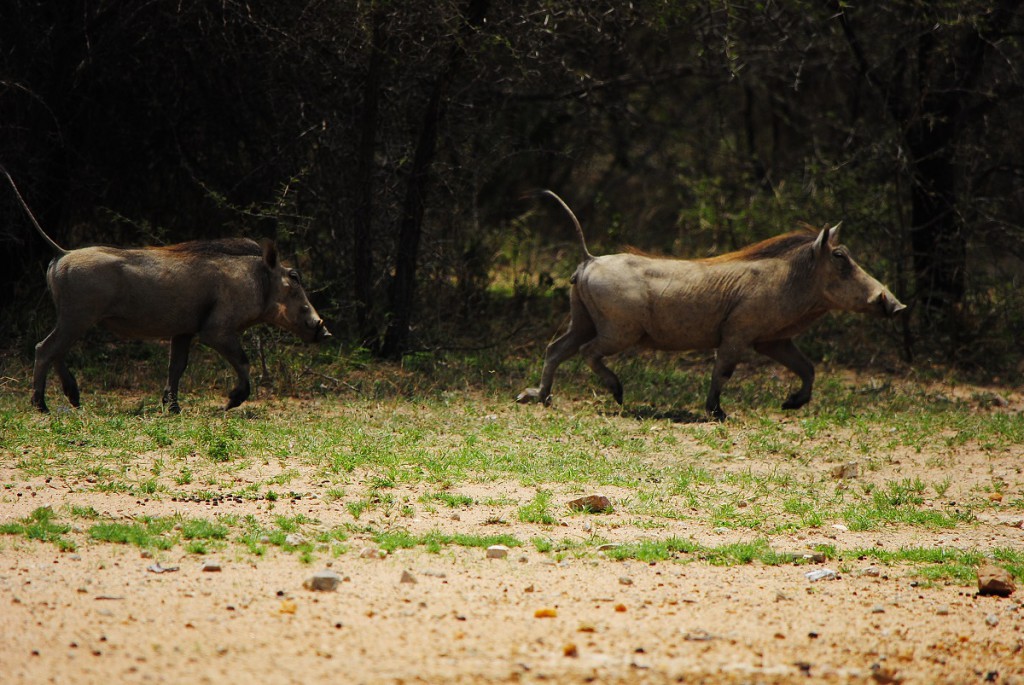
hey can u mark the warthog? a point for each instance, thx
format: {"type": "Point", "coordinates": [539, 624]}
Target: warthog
{"type": "Point", "coordinates": [213, 289]}
{"type": "Point", "coordinates": [760, 297]}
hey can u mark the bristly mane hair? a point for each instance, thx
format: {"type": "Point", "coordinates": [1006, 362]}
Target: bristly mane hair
{"type": "Point", "coordinates": [768, 249]}
{"type": "Point", "coordinates": [233, 247]}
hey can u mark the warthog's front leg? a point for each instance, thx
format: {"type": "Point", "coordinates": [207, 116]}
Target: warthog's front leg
{"type": "Point", "coordinates": [726, 359]}
{"type": "Point", "coordinates": [68, 384]}
{"type": "Point", "coordinates": [180, 346]}
{"type": "Point", "coordinates": [594, 353]}
{"type": "Point", "coordinates": [230, 347]}
{"type": "Point", "coordinates": [787, 354]}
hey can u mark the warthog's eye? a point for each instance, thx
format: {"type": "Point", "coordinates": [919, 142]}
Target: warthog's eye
{"type": "Point", "coordinates": [294, 275]}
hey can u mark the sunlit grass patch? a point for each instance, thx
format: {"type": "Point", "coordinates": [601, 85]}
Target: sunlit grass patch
{"type": "Point", "coordinates": [146, 533]}
{"type": "Point", "coordinates": [40, 525]}
{"type": "Point", "coordinates": [433, 541]}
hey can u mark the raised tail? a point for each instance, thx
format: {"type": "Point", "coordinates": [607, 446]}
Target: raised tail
{"type": "Point", "coordinates": [575, 222]}
{"type": "Point", "coordinates": [32, 216]}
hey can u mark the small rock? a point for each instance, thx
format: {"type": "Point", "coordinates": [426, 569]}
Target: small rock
{"type": "Point", "coordinates": [211, 567]}
{"type": "Point", "coordinates": [497, 552]}
{"type": "Point", "coordinates": [698, 636]}
{"type": "Point", "coordinates": [434, 574]}
{"type": "Point", "coordinates": [850, 469]}
{"type": "Point", "coordinates": [721, 530]}
{"type": "Point", "coordinates": [625, 580]}
{"type": "Point", "coordinates": [992, 620]}
{"type": "Point", "coordinates": [995, 496]}
{"type": "Point", "coordinates": [607, 546]}
{"type": "Point", "coordinates": [995, 580]}
{"type": "Point", "coordinates": [821, 574]}
{"type": "Point", "coordinates": [408, 578]}
{"type": "Point", "coordinates": [264, 539]}
{"type": "Point", "coordinates": [942, 610]}
{"type": "Point", "coordinates": [570, 650]}
{"type": "Point", "coordinates": [885, 676]}
{"type": "Point", "coordinates": [157, 568]}
{"type": "Point", "coordinates": [878, 609]}
{"type": "Point", "coordinates": [546, 612]}
{"type": "Point", "coordinates": [372, 553]}
{"type": "Point", "coordinates": [295, 539]}
{"type": "Point", "coordinates": [146, 554]}
{"type": "Point", "coordinates": [322, 581]}
{"type": "Point", "coordinates": [870, 571]}
{"type": "Point", "coordinates": [595, 504]}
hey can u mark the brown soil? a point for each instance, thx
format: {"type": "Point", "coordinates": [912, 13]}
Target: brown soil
{"type": "Point", "coordinates": [99, 615]}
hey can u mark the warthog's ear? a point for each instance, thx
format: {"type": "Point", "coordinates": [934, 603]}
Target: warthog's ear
{"type": "Point", "coordinates": [827, 238]}
{"type": "Point", "coordinates": [269, 253]}
{"type": "Point", "coordinates": [833, 234]}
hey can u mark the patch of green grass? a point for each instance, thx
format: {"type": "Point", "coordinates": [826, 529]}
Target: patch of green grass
{"type": "Point", "coordinates": [147, 533]}
{"type": "Point", "coordinates": [199, 529]}
{"type": "Point", "coordinates": [538, 510]}
{"type": "Point", "coordinates": [653, 550]}
{"type": "Point", "coordinates": [448, 499]}
{"type": "Point", "coordinates": [435, 540]}
{"type": "Point", "coordinates": [40, 525]}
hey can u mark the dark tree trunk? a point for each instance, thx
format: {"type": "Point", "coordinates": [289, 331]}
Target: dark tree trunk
{"type": "Point", "coordinates": [936, 234]}
{"type": "Point", "coordinates": [362, 249]}
{"type": "Point", "coordinates": [402, 289]}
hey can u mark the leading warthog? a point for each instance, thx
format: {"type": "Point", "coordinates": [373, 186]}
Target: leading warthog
{"type": "Point", "coordinates": [210, 289]}
{"type": "Point", "coordinates": [758, 298]}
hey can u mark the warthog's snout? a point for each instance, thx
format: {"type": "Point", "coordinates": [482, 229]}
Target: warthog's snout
{"type": "Point", "coordinates": [887, 303]}
{"type": "Point", "coordinates": [321, 332]}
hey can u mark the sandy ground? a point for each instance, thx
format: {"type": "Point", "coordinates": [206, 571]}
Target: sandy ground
{"type": "Point", "coordinates": [99, 615]}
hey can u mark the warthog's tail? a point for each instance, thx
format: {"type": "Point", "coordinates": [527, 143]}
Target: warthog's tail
{"type": "Point", "coordinates": [32, 216]}
{"type": "Point", "coordinates": [575, 222]}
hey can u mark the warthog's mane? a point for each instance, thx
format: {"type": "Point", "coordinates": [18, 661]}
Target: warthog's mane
{"type": "Point", "coordinates": [772, 248]}
{"type": "Point", "coordinates": [231, 247]}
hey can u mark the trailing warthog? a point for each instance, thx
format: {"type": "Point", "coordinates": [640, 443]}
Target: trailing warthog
{"type": "Point", "coordinates": [210, 289]}
{"type": "Point", "coordinates": [760, 297]}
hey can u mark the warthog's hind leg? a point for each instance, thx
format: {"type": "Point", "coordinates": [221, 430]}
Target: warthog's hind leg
{"type": "Point", "coordinates": [557, 352]}
{"type": "Point", "coordinates": [180, 345]}
{"type": "Point", "coordinates": [581, 330]}
{"type": "Point", "coordinates": [786, 353]}
{"type": "Point", "coordinates": [49, 352]}
{"type": "Point", "coordinates": [594, 353]}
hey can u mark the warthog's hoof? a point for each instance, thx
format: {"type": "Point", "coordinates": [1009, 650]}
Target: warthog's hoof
{"type": "Point", "coordinates": [795, 401]}
{"type": "Point", "coordinates": [716, 414]}
{"type": "Point", "coordinates": [531, 395]}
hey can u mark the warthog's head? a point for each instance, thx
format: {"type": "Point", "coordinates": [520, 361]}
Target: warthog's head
{"type": "Point", "coordinates": [845, 285]}
{"type": "Point", "coordinates": [289, 307]}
